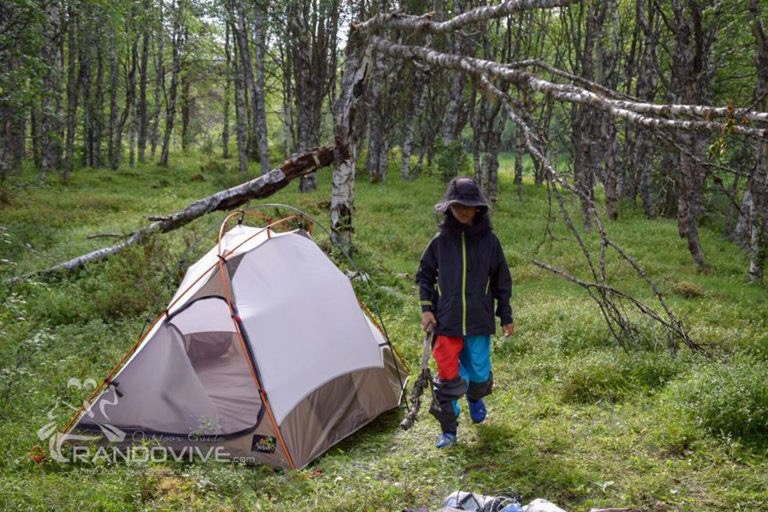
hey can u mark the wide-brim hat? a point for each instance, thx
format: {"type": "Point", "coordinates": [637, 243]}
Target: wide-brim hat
{"type": "Point", "coordinates": [464, 191]}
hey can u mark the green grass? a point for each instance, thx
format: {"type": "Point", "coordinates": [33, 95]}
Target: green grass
{"type": "Point", "coordinates": [574, 418]}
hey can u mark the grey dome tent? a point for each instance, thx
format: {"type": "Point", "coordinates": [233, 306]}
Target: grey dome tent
{"type": "Point", "coordinates": [264, 352]}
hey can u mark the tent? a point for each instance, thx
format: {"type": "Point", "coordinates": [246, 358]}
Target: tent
{"type": "Point", "coordinates": [264, 352]}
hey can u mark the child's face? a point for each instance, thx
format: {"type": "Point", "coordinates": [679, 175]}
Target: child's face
{"type": "Point", "coordinates": [464, 214]}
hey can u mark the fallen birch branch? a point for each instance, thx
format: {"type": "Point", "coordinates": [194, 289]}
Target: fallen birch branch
{"type": "Point", "coordinates": [106, 235]}
{"type": "Point", "coordinates": [263, 186]}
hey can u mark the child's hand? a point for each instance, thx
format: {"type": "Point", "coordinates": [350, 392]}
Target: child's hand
{"type": "Point", "coordinates": [428, 320]}
{"type": "Point", "coordinates": [508, 329]}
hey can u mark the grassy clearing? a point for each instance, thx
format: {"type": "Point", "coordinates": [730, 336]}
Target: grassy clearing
{"type": "Point", "coordinates": [573, 419]}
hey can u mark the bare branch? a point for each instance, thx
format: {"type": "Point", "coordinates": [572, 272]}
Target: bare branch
{"type": "Point", "coordinates": [400, 21]}
{"type": "Point", "coordinates": [605, 296]}
{"type": "Point", "coordinates": [106, 235]}
{"type": "Point", "coordinates": [630, 110]}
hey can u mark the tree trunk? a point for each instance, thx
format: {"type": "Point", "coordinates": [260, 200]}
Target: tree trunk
{"type": "Point", "coordinates": [97, 112]}
{"type": "Point", "coordinates": [688, 84]}
{"type": "Point", "coordinates": [159, 87]}
{"type": "Point", "coordinates": [611, 172]}
{"type": "Point", "coordinates": [376, 159]}
{"type": "Point", "coordinates": [349, 120]}
{"type": "Point", "coordinates": [170, 111]}
{"type": "Point", "coordinates": [259, 93]}
{"type": "Point", "coordinates": [545, 120]}
{"type": "Point", "coordinates": [759, 181]}
{"type": "Point", "coordinates": [646, 90]}
{"type": "Point", "coordinates": [690, 181]}
{"type": "Point", "coordinates": [246, 70]}
{"type": "Point", "coordinates": [608, 49]}
{"type": "Point", "coordinates": [186, 112]}
{"type": "Point", "coordinates": [311, 29]}
{"type": "Point", "coordinates": [412, 116]}
{"type": "Point", "coordinates": [227, 93]}
{"type": "Point", "coordinates": [491, 158]}
{"type": "Point", "coordinates": [142, 107]}
{"type": "Point", "coordinates": [7, 115]}
{"type": "Point", "coordinates": [18, 141]}
{"type": "Point", "coordinates": [13, 117]}
{"type": "Point", "coordinates": [130, 95]}
{"type": "Point", "coordinates": [35, 136]}
{"type": "Point", "coordinates": [132, 134]}
{"type": "Point", "coordinates": [289, 134]}
{"type": "Point", "coordinates": [452, 125]}
{"type": "Point", "coordinates": [585, 120]}
{"type": "Point", "coordinates": [50, 113]}
{"type": "Point", "coordinates": [12, 120]}
{"type": "Point", "coordinates": [5, 149]}
{"type": "Point", "coordinates": [72, 91]}
{"type": "Point", "coordinates": [113, 151]}
{"type": "Point", "coordinates": [241, 120]}
{"type": "Point", "coordinates": [85, 58]}
{"type": "Point", "coordinates": [299, 26]}
{"type": "Point", "coordinates": [519, 157]}
{"type": "Point", "coordinates": [644, 154]}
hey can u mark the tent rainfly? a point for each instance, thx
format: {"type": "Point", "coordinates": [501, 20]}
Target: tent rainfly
{"type": "Point", "coordinates": [264, 352]}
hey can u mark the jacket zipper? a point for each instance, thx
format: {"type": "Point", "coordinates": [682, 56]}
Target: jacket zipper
{"type": "Point", "coordinates": [463, 285]}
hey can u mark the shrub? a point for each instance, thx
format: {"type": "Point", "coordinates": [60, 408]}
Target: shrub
{"type": "Point", "coordinates": [613, 375]}
{"type": "Point", "coordinates": [125, 285]}
{"type": "Point", "coordinates": [594, 378]}
{"type": "Point", "coordinates": [652, 370]}
{"type": "Point", "coordinates": [688, 290]}
{"type": "Point", "coordinates": [452, 160]}
{"type": "Point", "coordinates": [729, 400]}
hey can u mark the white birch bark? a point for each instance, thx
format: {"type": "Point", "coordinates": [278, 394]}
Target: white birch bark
{"type": "Point", "coordinates": [376, 158]}
{"type": "Point", "coordinates": [349, 118]}
{"type": "Point", "coordinates": [759, 181]}
{"type": "Point", "coordinates": [635, 112]}
{"type": "Point", "coordinates": [170, 111]}
{"type": "Point", "coordinates": [260, 111]}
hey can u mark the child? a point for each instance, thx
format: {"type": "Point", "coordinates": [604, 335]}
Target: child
{"type": "Point", "coordinates": [461, 272]}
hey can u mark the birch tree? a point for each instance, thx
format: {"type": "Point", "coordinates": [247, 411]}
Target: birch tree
{"type": "Point", "coordinates": [685, 122]}
{"type": "Point", "coordinates": [50, 117]}
{"type": "Point", "coordinates": [142, 110]}
{"type": "Point", "coordinates": [159, 88]}
{"type": "Point", "coordinates": [227, 91]}
{"type": "Point", "coordinates": [312, 31]}
{"type": "Point", "coordinates": [73, 89]}
{"type": "Point", "coordinates": [688, 85]}
{"type": "Point", "coordinates": [259, 91]}
{"type": "Point", "coordinates": [758, 181]}
{"type": "Point", "coordinates": [177, 42]}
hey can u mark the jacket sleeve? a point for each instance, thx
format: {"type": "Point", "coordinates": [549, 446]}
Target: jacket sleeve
{"type": "Point", "coordinates": [501, 284]}
{"type": "Point", "coordinates": [426, 278]}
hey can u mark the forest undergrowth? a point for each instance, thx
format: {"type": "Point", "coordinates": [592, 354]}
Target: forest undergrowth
{"type": "Point", "coordinates": [574, 418]}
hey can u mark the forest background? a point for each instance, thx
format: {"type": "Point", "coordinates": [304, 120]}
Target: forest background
{"type": "Point", "coordinates": [623, 144]}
